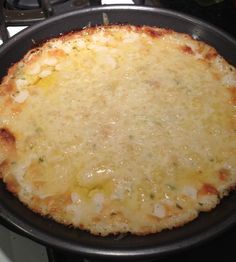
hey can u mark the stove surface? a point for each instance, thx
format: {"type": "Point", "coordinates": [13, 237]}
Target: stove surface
{"type": "Point", "coordinates": [14, 248]}
{"type": "Point", "coordinates": [222, 15]}
{"type": "Point", "coordinates": [28, 4]}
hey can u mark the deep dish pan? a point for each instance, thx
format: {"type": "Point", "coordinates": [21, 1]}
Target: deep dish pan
{"type": "Point", "coordinates": [43, 230]}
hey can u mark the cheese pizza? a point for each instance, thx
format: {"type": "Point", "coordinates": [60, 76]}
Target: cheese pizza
{"type": "Point", "coordinates": [119, 128]}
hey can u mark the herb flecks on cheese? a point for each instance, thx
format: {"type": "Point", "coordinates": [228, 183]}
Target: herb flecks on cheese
{"type": "Point", "coordinates": [119, 129]}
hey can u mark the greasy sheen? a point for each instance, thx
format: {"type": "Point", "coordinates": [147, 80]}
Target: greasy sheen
{"type": "Point", "coordinates": [119, 129]}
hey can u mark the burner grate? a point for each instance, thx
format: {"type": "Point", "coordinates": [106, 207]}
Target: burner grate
{"type": "Point", "coordinates": [28, 4]}
{"type": "Point", "coordinates": [28, 12]}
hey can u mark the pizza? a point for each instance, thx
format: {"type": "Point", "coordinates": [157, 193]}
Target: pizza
{"type": "Point", "coordinates": [119, 128]}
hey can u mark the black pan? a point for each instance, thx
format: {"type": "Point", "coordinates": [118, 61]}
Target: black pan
{"type": "Point", "coordinates": [45, 231]}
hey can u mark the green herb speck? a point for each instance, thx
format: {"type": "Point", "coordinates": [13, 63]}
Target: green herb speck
{"type": "Point", "coordinates": [171, 187]}
{"type": "Point", "coordinates": [39, 129]}
{"type": "Point", "coordinates": [152, 196]}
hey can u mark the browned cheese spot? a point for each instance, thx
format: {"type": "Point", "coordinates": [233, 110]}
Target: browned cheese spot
{"type": "Point", "coordinates": [6, 137]}
{"type": "Point", "coordinates": [224, 174]}
{"type": "Point", "coordinates": [211, 54]}
{"type": "Point", "coordinates": [156, 33]}
{"type": "Point", "coordinates": [7, 88]}
{"type": "Point", "coordinates": [187, 49]}
{"type": "Point", "coordinates": [208, 189]}
{"type": "Point", "coordinates": [57, 53]}
{"type": "Point", "coordinates": [233, 95]}
{"type": "Point", "coordinates": [81, 226]}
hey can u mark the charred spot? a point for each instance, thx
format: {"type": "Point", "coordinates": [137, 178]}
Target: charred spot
{"type": "Point", "coordinates": [233, 95]}
{"type": "Point", "coordinates": [224, 174]}
{"type": "Point", "coordinates": [208, 189]}
{"type": "Point", "coordinates": [187, 49]}
{"type": "Point", "coordinates": [6, 136]}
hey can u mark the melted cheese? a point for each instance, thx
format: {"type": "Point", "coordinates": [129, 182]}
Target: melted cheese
{"type": "Point", "coordinates": [121, 124]}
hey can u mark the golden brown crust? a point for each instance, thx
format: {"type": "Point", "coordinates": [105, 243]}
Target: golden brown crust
{"type": "Point", "coordinates": [4, 166]}
{"type": "Point", "coordinates": [7, 145]}
{"type": "Point", "coordinates": [8, 88]}
{"type": "Point", "coordinates": [233, 95]}
{"type": "Point", "coordinates": [12, 184]}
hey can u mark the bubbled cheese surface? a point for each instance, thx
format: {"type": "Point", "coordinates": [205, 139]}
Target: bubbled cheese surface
{"type": "Point", "coordinates": [119, 129]}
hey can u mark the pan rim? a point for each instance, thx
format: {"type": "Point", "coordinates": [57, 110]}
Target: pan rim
{"type": "Point", "coordinates": [165, 11]}
{"type": "Point", "coordinates": [39, 236]}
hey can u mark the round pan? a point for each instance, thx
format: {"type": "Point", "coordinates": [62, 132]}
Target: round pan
{"type": "Point", "coordinates": [46, 231]}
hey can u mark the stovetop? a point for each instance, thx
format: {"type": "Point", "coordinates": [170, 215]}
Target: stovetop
{"type": "Point", "coordinates": [14, 248]}
{"type": "Point", "coordinates": [222, 15]}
